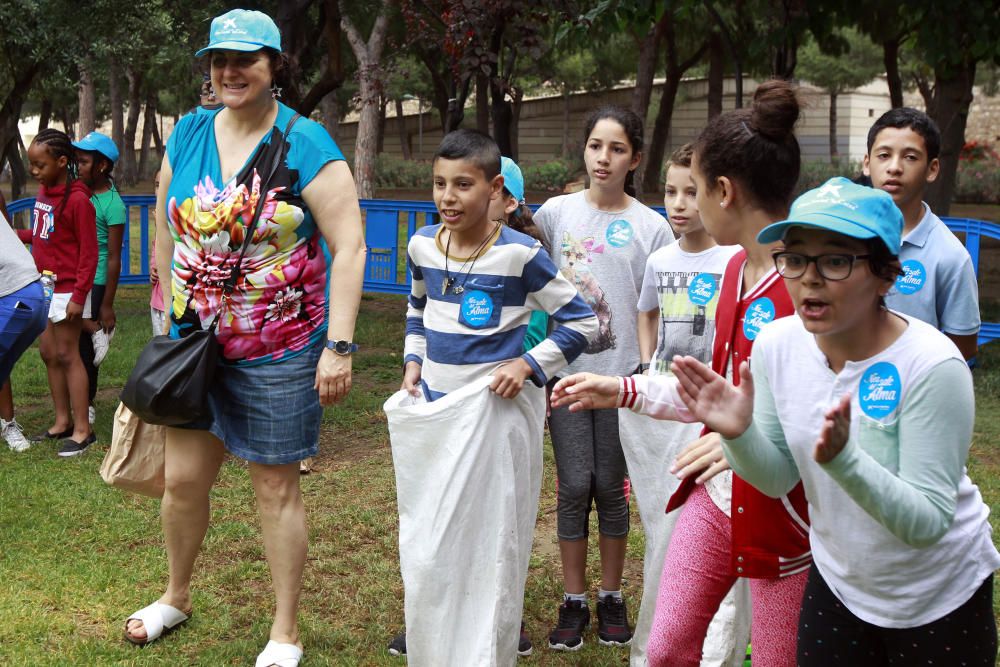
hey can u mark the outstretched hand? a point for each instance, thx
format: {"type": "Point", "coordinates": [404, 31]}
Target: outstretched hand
{"type": "Point", "coordinates": [835, 432]}
{"type": "Point", "coordinates": [585, 391]}
{"type": "Point", "coordinates": [714, 401]}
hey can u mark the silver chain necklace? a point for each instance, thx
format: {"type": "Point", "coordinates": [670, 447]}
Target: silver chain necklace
{"type": "Point", "coordinates": [449, 281]}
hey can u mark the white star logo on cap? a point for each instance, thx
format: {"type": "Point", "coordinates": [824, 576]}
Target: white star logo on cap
{"type": "Point", "coordinates": [829, 189]}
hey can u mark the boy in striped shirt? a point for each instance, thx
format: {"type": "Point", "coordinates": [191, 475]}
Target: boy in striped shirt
{"type": "Point", "coordinates": [475, 283]}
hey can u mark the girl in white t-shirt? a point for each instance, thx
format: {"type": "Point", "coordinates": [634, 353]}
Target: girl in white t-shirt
{"type": "Point", "coordinates": [600, 239]}
{"type": "Point", "coordinates": [873, 411]}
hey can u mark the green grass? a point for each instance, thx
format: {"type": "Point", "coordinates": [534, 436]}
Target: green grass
{"type": "Point", "coordinates": [76, 556]}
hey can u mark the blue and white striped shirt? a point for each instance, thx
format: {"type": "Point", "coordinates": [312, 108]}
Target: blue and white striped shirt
{"type": "Point", "coordinates": [459, 337]}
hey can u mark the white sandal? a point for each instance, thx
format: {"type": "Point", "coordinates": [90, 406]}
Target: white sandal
{"type": "Point", "coordinates": [280, 655]}
{"type": "Point", "coordinates": [156, 619]}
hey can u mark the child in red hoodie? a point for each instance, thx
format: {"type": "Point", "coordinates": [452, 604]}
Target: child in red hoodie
{"type": "Point", "coordinates": [64, 242]}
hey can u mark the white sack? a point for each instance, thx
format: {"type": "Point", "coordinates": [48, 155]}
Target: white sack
{"type": "Point", "coordinates": [468, 475]}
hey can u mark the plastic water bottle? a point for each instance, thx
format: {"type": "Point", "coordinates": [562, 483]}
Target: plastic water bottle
{"type": "Point", "coordinates": [48, 285]}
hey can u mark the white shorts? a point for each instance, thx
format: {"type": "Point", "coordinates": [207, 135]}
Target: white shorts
{"type": "Point", "coordinates": [57, 307]}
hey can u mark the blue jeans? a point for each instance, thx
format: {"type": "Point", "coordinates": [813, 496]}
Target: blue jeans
{"type": "Point", "coordinates": [23, 315]}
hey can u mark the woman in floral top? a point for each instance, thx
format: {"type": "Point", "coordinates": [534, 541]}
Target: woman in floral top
{"type": "Point", "coordinates": [281, 357]}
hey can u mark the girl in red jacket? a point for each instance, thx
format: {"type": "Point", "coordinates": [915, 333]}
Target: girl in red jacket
{"type": "Point", "coordinates": [64, 242]}
{"type": "Point", "coordinates": [745, 166]}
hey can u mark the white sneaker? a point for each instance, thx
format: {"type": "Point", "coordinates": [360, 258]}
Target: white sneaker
{"type": "Point", "coordinates": [102, 343]}
{"type": "Point", "coordinates": [14, 436]}
{"type": "Point", "coordinates": [91, 414]}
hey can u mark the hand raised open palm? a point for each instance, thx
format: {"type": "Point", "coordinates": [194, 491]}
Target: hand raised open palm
{"type": "Point", "coordinates": [714, 401]}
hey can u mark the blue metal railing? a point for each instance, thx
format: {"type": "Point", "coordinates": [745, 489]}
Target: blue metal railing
{"type": "Point", "coordinates": [389, 224]}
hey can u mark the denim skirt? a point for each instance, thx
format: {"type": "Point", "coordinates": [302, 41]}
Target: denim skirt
{"type": "Point", "coordinates": [269, 413]}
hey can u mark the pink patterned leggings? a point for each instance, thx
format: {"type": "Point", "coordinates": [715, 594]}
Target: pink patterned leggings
{"type": "Point", "coordinates": [695, 579]}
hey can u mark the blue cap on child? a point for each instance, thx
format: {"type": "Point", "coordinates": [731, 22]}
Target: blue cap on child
{"type": "Point", "coordinates": [242, 30]}
{"type": "Point", "coordinates": [512, 178]}
{"type": "Point", "coordinates": [95, 141]}
{"type": "Point", "coordinates": [845, 208]}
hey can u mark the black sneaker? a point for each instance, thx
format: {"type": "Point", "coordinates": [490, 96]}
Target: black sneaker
{"type": "Point", "coordinates": [574, 617]}
{"type": "Point", "coordinates": [398, 645]}
{"type": "Point", "coordinates": [71, 447]}
{"type": "Point", "coordinates": [524, 645]}
{"type": "Point", "coordinates": [612, 622]}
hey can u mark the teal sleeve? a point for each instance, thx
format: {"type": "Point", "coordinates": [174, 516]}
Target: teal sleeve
{"type": "Point", "coordinates": [760, 454]}
{"type": "Point", "coordinates": [538, 329]}
{"type": "Point", "coordinates": [310, 149]}
{"type": "Point", "coordinates": [117, 213]}
{"type": "Point", "coordinates": [934, 432]}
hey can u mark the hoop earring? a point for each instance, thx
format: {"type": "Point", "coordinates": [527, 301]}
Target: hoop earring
{"type": "Point", "coordinates": [275, 91]}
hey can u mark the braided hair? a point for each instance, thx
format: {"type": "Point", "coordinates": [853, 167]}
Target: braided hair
{"type": "Point", "coordinates": [59, 145]}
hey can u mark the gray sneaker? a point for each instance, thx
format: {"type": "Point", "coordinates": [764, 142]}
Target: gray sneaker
{"type": "Point", "coordinates": [14, 435]}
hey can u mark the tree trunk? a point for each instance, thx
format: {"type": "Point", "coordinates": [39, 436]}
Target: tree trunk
{"type": "Point", "coordinates": [332, 77]}
{"type": "Point", "coordinates": [148, 123]}
{"type": "Point", "coordinates": [115, 102]}
{"type": "Point", "coordinates": [661, 133]}
{"type": "Point", "coordinates": [383, 105]}
{"type": "Point", "coordinates": [331, 115]}
{"type": "Point", "coordinates": [890, 58]}
{"type": "Point", "coordinates": [44, 114]}
{"type": "Point", "coordinates": [567, 151]}
{"type": "Point", "coordinates": [515, 123]}
{"type": "Point", "coordinates": [734, 53]}
{"type": "Point", "coordinates": [10, 112]}
{"type": "Point", "coordinates": [404, 137]}
{"type": "Point", "coordinates": [129, 173]}
{"type": "Point", "coordinates": [456, 105]}
{"type": "Point", "coordinates": [716, 74]}
{"type": "Point", "coordinates": [366, 144]}
{"type": "Point", "coordinates": [503, 116]}
{"type": "Point", "coordinates": [69, 127]}
{"type": "Point", "coordinates": [649, 52]}
{"type": "Point", "coordinates": [483, 103]}
{"type": "Point", "coordinates": [157, 139]}
{"type": "Point", "coordinates": [87, 100]}
{"type": "Point", "coordinates": [834, 153]}
{"type": "Point", "coordinates": [952, 99]}
{"type": "Point", "coordinates": [18, 174]}
{"type": "Point", "coordinates": [369, 57]}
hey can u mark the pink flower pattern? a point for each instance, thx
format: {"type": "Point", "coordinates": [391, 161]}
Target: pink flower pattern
{"type": "Point", "coordinates": [279, 301]}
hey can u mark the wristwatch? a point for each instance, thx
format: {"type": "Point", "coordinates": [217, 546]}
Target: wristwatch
{"type": "Point", "coordinates": [342, 347]}
{"type": "Point", "coordinates": [641, 368]}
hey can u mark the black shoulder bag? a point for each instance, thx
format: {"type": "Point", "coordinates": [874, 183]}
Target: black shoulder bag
{"type": "Point", "coordinates": [170, 380]}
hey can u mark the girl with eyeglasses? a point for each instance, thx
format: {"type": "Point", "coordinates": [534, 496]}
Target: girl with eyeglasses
{"type": "Point", "coordinates": [873, 411]}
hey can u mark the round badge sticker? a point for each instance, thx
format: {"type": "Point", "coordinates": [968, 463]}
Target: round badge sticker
{"type": "Point", "coordinates": [619, 233]}
{"type": "Point", "coordinates": [477, 307]}
{"type": "Point", "coordinates": [760, 312]}
{"type": "Point", "coordinates": [879, 390]}
{"type": "Point", "coordinates": [913, 278]}
{"type": "Point", "coordinates": [702, 289]}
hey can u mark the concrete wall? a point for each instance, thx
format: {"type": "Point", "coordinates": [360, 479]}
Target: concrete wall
{"type": "Point", "coordinates": [541, 125]}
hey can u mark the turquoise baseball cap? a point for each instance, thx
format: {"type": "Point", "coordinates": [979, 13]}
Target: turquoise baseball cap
{"type": "Point", "coordinates": [844, 207]}
{"type": "Point", "coordinates": [513, 180]}
{"type": "Point", "coordinates": [95, 141]}
{"type": "Point", "coordinates": [242, 30]}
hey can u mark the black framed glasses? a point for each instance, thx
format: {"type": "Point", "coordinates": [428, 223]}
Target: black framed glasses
{"type": "Point", "coordinates": [832, 266]}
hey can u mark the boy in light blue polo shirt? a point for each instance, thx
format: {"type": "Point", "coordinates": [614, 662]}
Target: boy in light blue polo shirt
{"type": "Point", "coordinates": [939, 284]}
